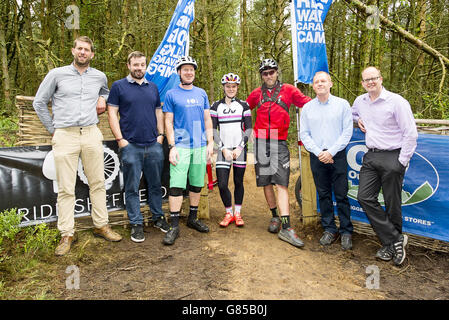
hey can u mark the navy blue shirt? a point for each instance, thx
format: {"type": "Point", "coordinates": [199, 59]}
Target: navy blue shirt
{"type": "Point", "coordinates": [137, 108]}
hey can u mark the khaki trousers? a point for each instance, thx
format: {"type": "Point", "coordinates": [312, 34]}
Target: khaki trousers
{"type": "Point", "coordinates": [68, 145]}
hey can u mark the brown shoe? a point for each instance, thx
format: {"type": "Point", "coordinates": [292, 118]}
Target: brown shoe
{"type": "Point", "coordinates": [107, 233]}
{"type": "Point", "coordinates": [65, 244]}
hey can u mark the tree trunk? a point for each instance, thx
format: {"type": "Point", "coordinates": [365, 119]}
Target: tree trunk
{"type": "Point", "coordinates": [5, 71]}
{"type": "Point", "coordinates": [210, 66]}
{"type": "Point", "coordinates": [245, 49]}
{"type": "Point", "coordinates": [422, 6]}
{"type": "Point", "coordinates": [31, 63]}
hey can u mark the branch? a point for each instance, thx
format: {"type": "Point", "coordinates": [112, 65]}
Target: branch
{"type": "Point", "coordinates": [334, 76]}
{"type": "Point", "coordinates": [440, 89]}
{"type": "Point", "coordinates": [420, 44]}
{"type": "Point", "coordinates": [122, 43]}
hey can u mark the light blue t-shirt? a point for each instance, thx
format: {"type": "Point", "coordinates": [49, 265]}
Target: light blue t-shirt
{"type": "Point", "coordinates": [188, 108]}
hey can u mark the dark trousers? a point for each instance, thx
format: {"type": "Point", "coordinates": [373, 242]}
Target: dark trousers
{"type": "Point", "coordinates": [333, 177]}
{"type": "Point", "coordinates": [382, 170]}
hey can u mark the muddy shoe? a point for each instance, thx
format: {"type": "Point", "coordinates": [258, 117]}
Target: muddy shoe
{"type": "Point", "coordinates": [162, 225]}
{"type": "Point", "coordinates": [289, 235]}
{"type": "Point", "coordinates": [171, 236]}
{"type": "Point", "coordinates": [399, 249]}
{"type": "Point", "coordinates": [385, 253]}
{"type": "Point", "coordinates": [275, 225]}
{"type": "Point", "coordinates": [107, 233]}
{"type": "Point", "coordinates": [65, 244]}
{"type": "Point", "coordinates": [346, 241]}
{"type": "Point", "coordinates": [327, 238]}
{"type": "Point", "coordinates": [198, 225]}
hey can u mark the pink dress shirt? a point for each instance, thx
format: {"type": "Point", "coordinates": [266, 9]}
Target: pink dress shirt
{"type": "Point", "coordinates": [389, 123]}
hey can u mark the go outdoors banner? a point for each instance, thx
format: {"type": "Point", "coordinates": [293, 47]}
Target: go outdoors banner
{"type": "Point", "coordinates": [161, 69]}
{"type": "Point", "coordinates": [425, 209]}
{"type": "Point", "coordinates": [309, 45]}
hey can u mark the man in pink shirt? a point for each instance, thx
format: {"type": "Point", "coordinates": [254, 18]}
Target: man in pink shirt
{"type": "Point", "coordinates": [390, 136]}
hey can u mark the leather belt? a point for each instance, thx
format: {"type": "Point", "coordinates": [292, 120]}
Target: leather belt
{"type": "Point", "coordinates": [382, 150]}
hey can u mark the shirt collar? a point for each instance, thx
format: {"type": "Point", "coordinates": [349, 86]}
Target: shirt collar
{"type": "Point", "coordinates": [383, 95]}
{"type": "Point", "coordinates": [327, 102]}
{"type": "Point", "coordinates": [72, 66]}
{"type": "Point", "coordinates": [131, 80]}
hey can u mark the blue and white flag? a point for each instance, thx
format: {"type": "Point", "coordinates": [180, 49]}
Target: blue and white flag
{"type": "Point", "coordinates": [308, 41]}
{"type": "Point", "coordinates": [161, 69]}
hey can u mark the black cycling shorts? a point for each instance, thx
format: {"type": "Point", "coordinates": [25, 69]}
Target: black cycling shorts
{"type": "Point", "coordinates": [272, 162]}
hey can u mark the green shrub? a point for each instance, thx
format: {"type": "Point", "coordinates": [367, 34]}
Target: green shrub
{"type": "Point", "coordinates": [41, 239]}
{"type": "Point", "coordinates": [8, 131]}
{"type": "Point", "coordinates": [9, 224]}
{"type": "Point", "coordinates": [36, 239]}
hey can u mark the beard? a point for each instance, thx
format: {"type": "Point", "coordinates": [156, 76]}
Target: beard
{"type": "Point", "coordinates": [137, 74]}
{"type": "Point", "coordinates": [82, 64]}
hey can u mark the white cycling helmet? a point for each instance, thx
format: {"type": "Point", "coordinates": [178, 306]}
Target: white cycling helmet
{"type": "Point", "coordinates": [267, 64]}
{"type": "Point", "coordinates": [186, 60]}
{"type": "Point", "coordinates": [230, 78]}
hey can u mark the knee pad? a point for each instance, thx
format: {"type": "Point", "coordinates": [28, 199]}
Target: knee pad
{"type": "Point", "coordinates": [195, 189]}
{"type": "Point", "coordinates": [176, 192]}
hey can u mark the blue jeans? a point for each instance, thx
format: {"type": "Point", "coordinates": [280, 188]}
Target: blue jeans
{"type": "Point", "coordinates": [150, 160]}
{"type": "Point", "coordinates": [328, 178]}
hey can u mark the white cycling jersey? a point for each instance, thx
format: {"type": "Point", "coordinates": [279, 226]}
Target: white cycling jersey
{"type": "Point", "coordinates": [231, 121]}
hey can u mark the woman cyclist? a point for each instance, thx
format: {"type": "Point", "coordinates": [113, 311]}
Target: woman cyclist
{"type": "Point", "coordinates": [231, 118]}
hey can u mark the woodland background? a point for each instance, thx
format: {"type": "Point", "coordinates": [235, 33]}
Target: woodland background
{"type": "Point", "coordinates": [232, 36]}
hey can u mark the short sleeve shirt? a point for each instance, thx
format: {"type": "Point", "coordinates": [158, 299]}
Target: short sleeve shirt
{"type": "Point", "coordinates": [137, 108]}
{"type": "Point", "coordinates": [188, 108]}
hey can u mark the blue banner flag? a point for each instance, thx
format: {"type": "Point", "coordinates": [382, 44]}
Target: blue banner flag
{"type": "Point", "coordinates": [425, 209]}
{"type": "Point", "coordinates": [161, 69]}
{"type": "Point", "coordinates": [308, 41]}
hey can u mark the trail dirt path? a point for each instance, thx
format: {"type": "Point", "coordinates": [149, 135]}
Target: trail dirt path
{"type": "Point", "coordinates": [245, 263]}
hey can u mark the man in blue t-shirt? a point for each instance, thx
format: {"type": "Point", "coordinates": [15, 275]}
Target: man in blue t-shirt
{"type": "Point", "coordinates": [190, 138]}
{"type": "Point", "coordinates": [139, 133]}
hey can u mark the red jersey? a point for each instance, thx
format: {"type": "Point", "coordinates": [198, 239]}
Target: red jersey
{"type": "Point", "coordinates": [272, 120]}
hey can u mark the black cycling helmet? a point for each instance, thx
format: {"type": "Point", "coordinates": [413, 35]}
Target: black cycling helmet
{"type": "Point", "coordinates": [267, 64]}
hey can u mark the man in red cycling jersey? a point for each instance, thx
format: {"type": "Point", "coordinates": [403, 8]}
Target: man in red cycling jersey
{"type": "Point", "coordinates": [272, 157]}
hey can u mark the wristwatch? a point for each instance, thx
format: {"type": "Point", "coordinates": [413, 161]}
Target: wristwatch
{"type": "Point", "coordinates": [170, 146]}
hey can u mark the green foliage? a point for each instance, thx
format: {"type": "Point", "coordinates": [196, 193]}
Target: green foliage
{"type": "Point", "coordinates": [437, 106]}
{"type": "Point", "coordinates": [41, 239]}
{"type": "Point", "coordinates": [8, 131]}
{"type": "Point", "coordinates": [240, 34]}
{"type": "Point", "coordinates": [30, 241]}
{"type": "Point", "coordinates": [9, 124]}
{"type": "Point", "coordinates": [9, 225]}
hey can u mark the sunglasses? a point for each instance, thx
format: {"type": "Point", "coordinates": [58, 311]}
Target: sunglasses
{"type": "Point", "coordinates": [268, 73]}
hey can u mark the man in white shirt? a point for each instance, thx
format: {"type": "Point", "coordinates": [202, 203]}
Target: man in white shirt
{"type": "Point", "coordinates": [325, 130]}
